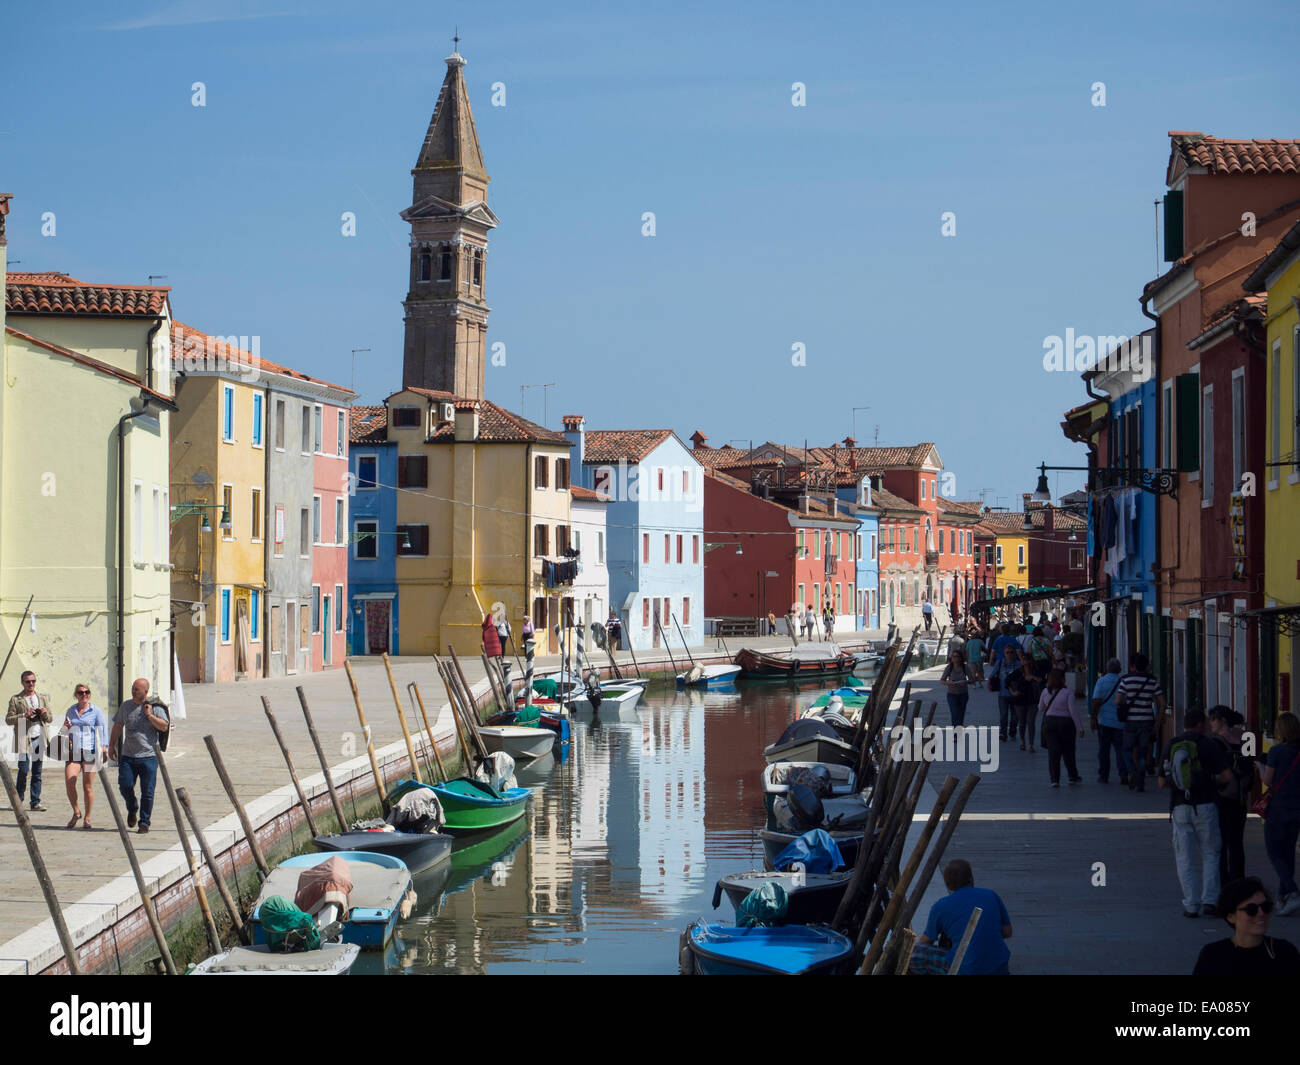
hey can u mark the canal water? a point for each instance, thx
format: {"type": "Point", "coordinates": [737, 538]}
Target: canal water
{"type": "Point", "coordinates": [621, 846]}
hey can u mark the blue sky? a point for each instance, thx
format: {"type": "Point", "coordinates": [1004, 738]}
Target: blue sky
{"type": "Point", "coordinates": [776, 224]}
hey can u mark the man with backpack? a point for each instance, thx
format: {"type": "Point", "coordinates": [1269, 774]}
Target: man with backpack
{"type": "Point", "coordinates": [1110, 732]}
{"type": "Point", "coordinates": [1138, 699]}
{"type": "Point", "coordinates": [1225, 727]}
{"type": "Point", "coordinates": [1192, 767]}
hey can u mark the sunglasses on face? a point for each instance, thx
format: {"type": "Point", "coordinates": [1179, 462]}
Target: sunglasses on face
{"type": "Point", "coordinates": [1254, 909]}
{"type": "Point", "coordinates": [85, 691]}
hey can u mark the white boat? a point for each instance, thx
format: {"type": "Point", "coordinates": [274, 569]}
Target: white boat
{"type": "Point", "coordinates": [776, 777]}
{"type": "Point", "coordinates": [708, 676]}
{"type": "Point", "coordinates": [332, 959]}
{"type": "Point", "coordinates": [609, 698]}
{"type": "Point", "coordinates": [522, 744]}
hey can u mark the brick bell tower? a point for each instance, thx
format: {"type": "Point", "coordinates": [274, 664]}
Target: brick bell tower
{"type": "Point", "coordinates": [446, 313]}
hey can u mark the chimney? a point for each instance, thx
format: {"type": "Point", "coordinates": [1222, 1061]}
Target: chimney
{"type": "Point", "coordinates": [698, 439]}
{"type": "Point", "coordinates": [574, 429]}
{"type": "Point", "coordinates": [466, 420]}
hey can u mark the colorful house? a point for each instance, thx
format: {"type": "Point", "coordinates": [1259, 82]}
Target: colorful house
{"type": "Point", "coordinates": [372, 561]}
{"type": "Point", "coordinates": [590, 590]}
{"type": "Point", "coordinates": [1278, 619]}
{"type": "Point", "coordinates": [1010, 552]}
{"type": "Point", "coordinates": [84, 534]}
{"type": "Point", "coordinates": [858, 494]}
{"type": "Point", "coordinates": [329, 555]}
{"type": "Point", "coordinates": [656, 528]}
{"type": "Point", "coordinates": [218, 508]}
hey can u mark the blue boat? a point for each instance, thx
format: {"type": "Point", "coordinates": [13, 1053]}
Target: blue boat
{"type": "Point", "coordinates": [380, 886]}
{"type": "Point", "coordinates": [788, 950]}
{"type": "Point", "coordinates": [719, 676]}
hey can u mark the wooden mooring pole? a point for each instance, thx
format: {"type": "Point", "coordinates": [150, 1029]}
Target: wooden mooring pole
{"type": "Point", "coordinates": [288, 761]}
{"type": "Point", "coordinates": [145, 900]}
{"type": "Point", "coordinates": [226, 783]}
{"type": "Point", "coordinates": [324, 763]}
{"type": "Point", "coordinates": [227, 899]}
{"type": "Point", "coordinates": [214, 937]}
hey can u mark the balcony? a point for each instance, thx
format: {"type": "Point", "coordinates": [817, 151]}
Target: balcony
{"type": "Point", "coordinates": [932, 560]}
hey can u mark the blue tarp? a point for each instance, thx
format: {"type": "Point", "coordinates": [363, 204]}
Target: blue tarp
{"type": "Point", "coordinates": [816, 849]}
{"type": "Point", "coordinates": [764, 907]}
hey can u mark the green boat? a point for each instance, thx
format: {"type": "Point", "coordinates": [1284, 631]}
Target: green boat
{"type": "Point", "coordinates": [470, 805]}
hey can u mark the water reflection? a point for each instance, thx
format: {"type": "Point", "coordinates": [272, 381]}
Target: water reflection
{"type": "Point", "coordinates": [621, 845]}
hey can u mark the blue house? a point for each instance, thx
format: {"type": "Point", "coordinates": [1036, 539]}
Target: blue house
{"type": "Point", "coordinates": [1122, 519]}
{"type": "Point", "coordinates": [372, 543]}
{"type": "Point", "coordinates": [859, 495]}
{"type": "Point", "coordinates": [655, 529]}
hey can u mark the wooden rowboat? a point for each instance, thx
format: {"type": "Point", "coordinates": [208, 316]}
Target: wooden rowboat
{"type": "Point", "coordinates": [810, 660]}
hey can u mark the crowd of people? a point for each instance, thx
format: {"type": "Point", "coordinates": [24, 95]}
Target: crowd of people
{"type": "Point", "coordinates": [85, 744]}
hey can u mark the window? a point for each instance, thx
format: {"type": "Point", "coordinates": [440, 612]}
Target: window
{"type": "Point", "coordinates": [304, 533]}
{"type": "Point", "coordinates": [315, 608]}
{"type": "Point", "coordinates": [478, 269]}
{"type": "Point", "coordinates": [659, 478]}
{"type": "Point", "coordinates": [367, 471]}
{"type": "Point", "coordinates": [225, 615]}
{"type": "Point", "coordinates": [645, 613]}
{"type": "Point", "coordinates": [541, 540]}
{"type": "Point", "coordinates": [686, 610]}
{"type": "Point", "coordinates": [645, 547]}
{"type": "Point", "coordinates": [1076, 558]}
{"type": "Point", "coordinates": [338, 608]}
{"type": "Point", "coordinates": [686, 483]}
{"type": "Point", "coordinates": [680, 555]}
{"type": "Point", "coordinates": [338, 522]}
{"type": "Point", "coordinates": [1020, 555]}
{"type": "Point", "coordinates": [305, 446]}
{"type": "Point", "coordinates": [315, 519]}
{"type": "Point", "coordinates": [257, 419]}
{"type": "Point", "coordinates": [562, 474]}
{"type": "Point", "coordinates": [367, 539]}
{"type": "Point", "coordinates": [577, 540]}
{"type": "Point", "coordinates": [667, 542]}
{"type": "Point", "coordinates": [798, 542]}
{"type": "Point", "coordinates": [426, 267]}
{"type": "Point", "coordinates": [999, 554]}
{"type": "Point", "coordinates": [695, 549]}
{"type": "Point", "coordinates": [279, 434]}
{"type": "Point", "coordinates": [802, 591]}
{"type": "Point", "coordinates": [227, 413]}
{"type": "Point", "coordinates": [228, 508]}
{"type": "Point", "coordinates": [278, 532]}
{"type": "Point", "coordinates": [406, 417]}
{"type": "Point", "coordinates": [817, 597]}
{"type": "Point", "coordinates": [600, 548]}
{"type": "Point", "coordinates": [413, 540]}
{"type": "Point", "coordinates": [561, 539]}
{"type": "Point", "coordinates": [342, 439]}
{"type": "Point", "coordinates": [444, 266]}
{"type": "Point", "coordinates": [666, 612]}
{"type": "Point", "coordinates": [952, 541]}
{"type": "Point", "coordinates": [157, 525]}
{"type": "Point", "coordinates": [317, 427]}
{"type": "Point", "coordinates": [275, 630]}
{"type": "Point", "coordinates": [1207, 445]}
{"type": "Point", "coordinates": [412, 471]}
{"type": "Point", "coordinates": [540, 472]}
{"type": "Point", "coordinates": [873, 546]}
{"type": "Point", "coordinates": [817, 543]}
{"type": "Point", "coordinates": [1167, 420]}
{"type": "Point", "coordinates": [255, 524]}
{"type": "Point", "coordinates": [137, 522]}
{"type": "Point", "coordinates": [255, 616]}
{"type": "Point", "coordinates": [1238, 428]}
{"type": "Point", "coordinates": [539, 613]}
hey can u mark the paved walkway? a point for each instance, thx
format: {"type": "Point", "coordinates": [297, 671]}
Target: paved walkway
{"type": "Point", "coordinates": [82, 863]}
{"type": "Point", "coordinates": [1037, 847]}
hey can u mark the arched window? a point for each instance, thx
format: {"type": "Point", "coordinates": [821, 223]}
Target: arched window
{"type": "Point", "coordinates": [426, 266]}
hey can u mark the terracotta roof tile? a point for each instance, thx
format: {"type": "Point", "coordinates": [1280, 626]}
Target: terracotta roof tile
{"type": "Point", "coordinates": [610, 445]}
{"type": "Point", "coordinates": [887, 501]}
{"type": "Point", "coordinates": [497, 425]}
{"type": "Point", "coordinates": [586, 494]}
{"type": "Point", "coordinates": [368, 425]}
{"type": "Point", "coordinates": [54, 293]}
{"type": "Point", "coordinates": [1236, 156]}
{"type": "Point", "coordinates": [181, 331]}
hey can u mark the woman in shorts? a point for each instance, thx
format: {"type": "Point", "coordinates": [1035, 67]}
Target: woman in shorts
{"type": "Point", "coordinates": [87, 736]}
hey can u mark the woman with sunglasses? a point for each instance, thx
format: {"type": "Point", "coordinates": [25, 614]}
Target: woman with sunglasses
{"type": "Point", "coordinates": [1248, 908]}
{"type": "Point", "coordinates": [87, 735]}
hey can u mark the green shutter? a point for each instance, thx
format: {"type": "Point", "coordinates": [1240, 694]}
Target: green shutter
{"type": "Point", "coordinates": [1195, 663]}
{"type": "Point", "coordinates": [1187, 398]}
{"type": "Point", "coordinates": [1173, 226]}
{"type": "Point", "coordinates": [1160, 656]}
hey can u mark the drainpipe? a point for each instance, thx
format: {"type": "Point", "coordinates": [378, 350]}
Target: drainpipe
{"type": "Point", "coordinates": [139, 406]}
{"type": "Point", "coordinates": [1155, 583]}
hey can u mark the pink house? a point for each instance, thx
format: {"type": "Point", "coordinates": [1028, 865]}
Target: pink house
{"type": "Point", "coordinates": [329, 560]}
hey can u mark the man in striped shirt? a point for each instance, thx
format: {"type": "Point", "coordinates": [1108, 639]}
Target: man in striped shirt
{"type": "Point", "coordinates": [1138, 700]}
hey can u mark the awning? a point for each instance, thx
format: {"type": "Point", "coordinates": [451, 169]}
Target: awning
{"type": "Point", "coordinates": [1285, 619]}
{"type": "Point", "coordinates": [1031, 596]}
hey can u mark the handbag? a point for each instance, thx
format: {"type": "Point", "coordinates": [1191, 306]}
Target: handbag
{"type": "Point", "coordinates": [995, 682]}
{"type": "Point", "coordinates": [1260, 805]}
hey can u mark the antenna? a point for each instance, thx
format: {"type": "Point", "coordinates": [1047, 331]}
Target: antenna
{"type": "Point", "coordinates": [157, 277]}
{"type": "Point", "coordinates": [355, 353]}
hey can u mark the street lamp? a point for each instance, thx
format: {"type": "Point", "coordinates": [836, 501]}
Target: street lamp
{"type": "Point", "coordinates": [724, 543]}
{"type": "Point", "coordinates": [1161, 482]}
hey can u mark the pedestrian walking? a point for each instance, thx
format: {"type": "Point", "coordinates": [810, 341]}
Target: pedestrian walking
{"type": "Point", "coordinates": [1138, 700]}
{"type": "Point", "coordinates": [29, 714]}
{"type": "Point", "coordinates": [1250, 950]}
{"type": "Point", "coordinates": [1190, 767]}
{"type": "Point", "coordinates": [810, 622]}
{"type": "Point", "coordinates": [927, 614]}
{"type": "Point", "coordinates": [987, 953]}
{"type": "Point", "coordinates": [1282, 817]}
{"type": "Point", "coordinates": [956, 677]}
{"type": "Point", "coordinates": [1023, 692]}
{"type": "Point", "coordinates": [87, 736]}
{"type": "Point", "coordinates": [999, 673]}
{"type": "Point", "coordinates": [1060, 724]}
{"type": "Point", "coordinates": [613, 632]}
{"type": "Point", "coordinates": [1225, 726]}
{"type": "Point", "coordinates": [975, 655]}
{"type": "Point", "coordinates": [828, 620]}
{"type": "Point", "coordinates": [1107, 725]}
{"type": "Point", "coordinates": [137, 726]}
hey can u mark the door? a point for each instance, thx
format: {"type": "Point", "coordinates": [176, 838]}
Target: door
{"type": "Point", "coordinates": [1225, 662]}
{"type": "Point", "coordinates": [326, 635]}
{"type": "Point", "coordinates": [379, 613]}
{"type": "Point", "coordinates": [291, 637]}
{"type": "Point", "coordinates": [1239, 694]}
{"type": "Point", "coordinates": [1180, 673]}
{"type": "Point", "coordinates": [654, 619]}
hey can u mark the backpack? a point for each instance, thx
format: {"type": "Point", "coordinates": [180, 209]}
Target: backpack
{"type": "Point", "coordinates": [1040, 649]}
{"type": "Point", "coordinates": [1238, 789]}
{"type": "Point", "coordinates": [1185, 770]}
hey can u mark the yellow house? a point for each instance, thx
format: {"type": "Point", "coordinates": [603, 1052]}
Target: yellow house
{"type": "Point", "coordinates": [84, 423]}
{"type": "Point", "coordinates": [482, 501]}
{"type": "Point", "coordinates": [1010, 553]}
{"type": "Point", "coordinates": [1279, 620]}
{"type": "Point", "coordinates": [218, 513]}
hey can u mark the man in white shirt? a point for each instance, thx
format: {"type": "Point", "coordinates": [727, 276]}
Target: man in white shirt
{"type": "Point", "coordinates": [29, 714]}
{"type": "Point", "coordinates": [927, 613]}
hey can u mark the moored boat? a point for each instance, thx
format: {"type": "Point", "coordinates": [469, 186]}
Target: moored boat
{"type": "Point", "coordinates": [777, 776]}
{"type": "Point", "coordinates": [811, 740]}
{"type": "Point", "coordinates": [523, 744]}
{"type": "Point", "coordinates": [417, 850]}
{"type": "Point", "coordinates": [807, 660]}
{"type": "Point", "coordinates": [715, 676]}
{"type": "Point", "coordinates": [811, 899]}
{"type": "Point", "coordinates": [331, 959]}
{"type": "Point", "coordinates": [472, 806]}
{"type": "Point", "coordinates": [787, 950]}
{"type": "Point", "coordinates": [774, 843]}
